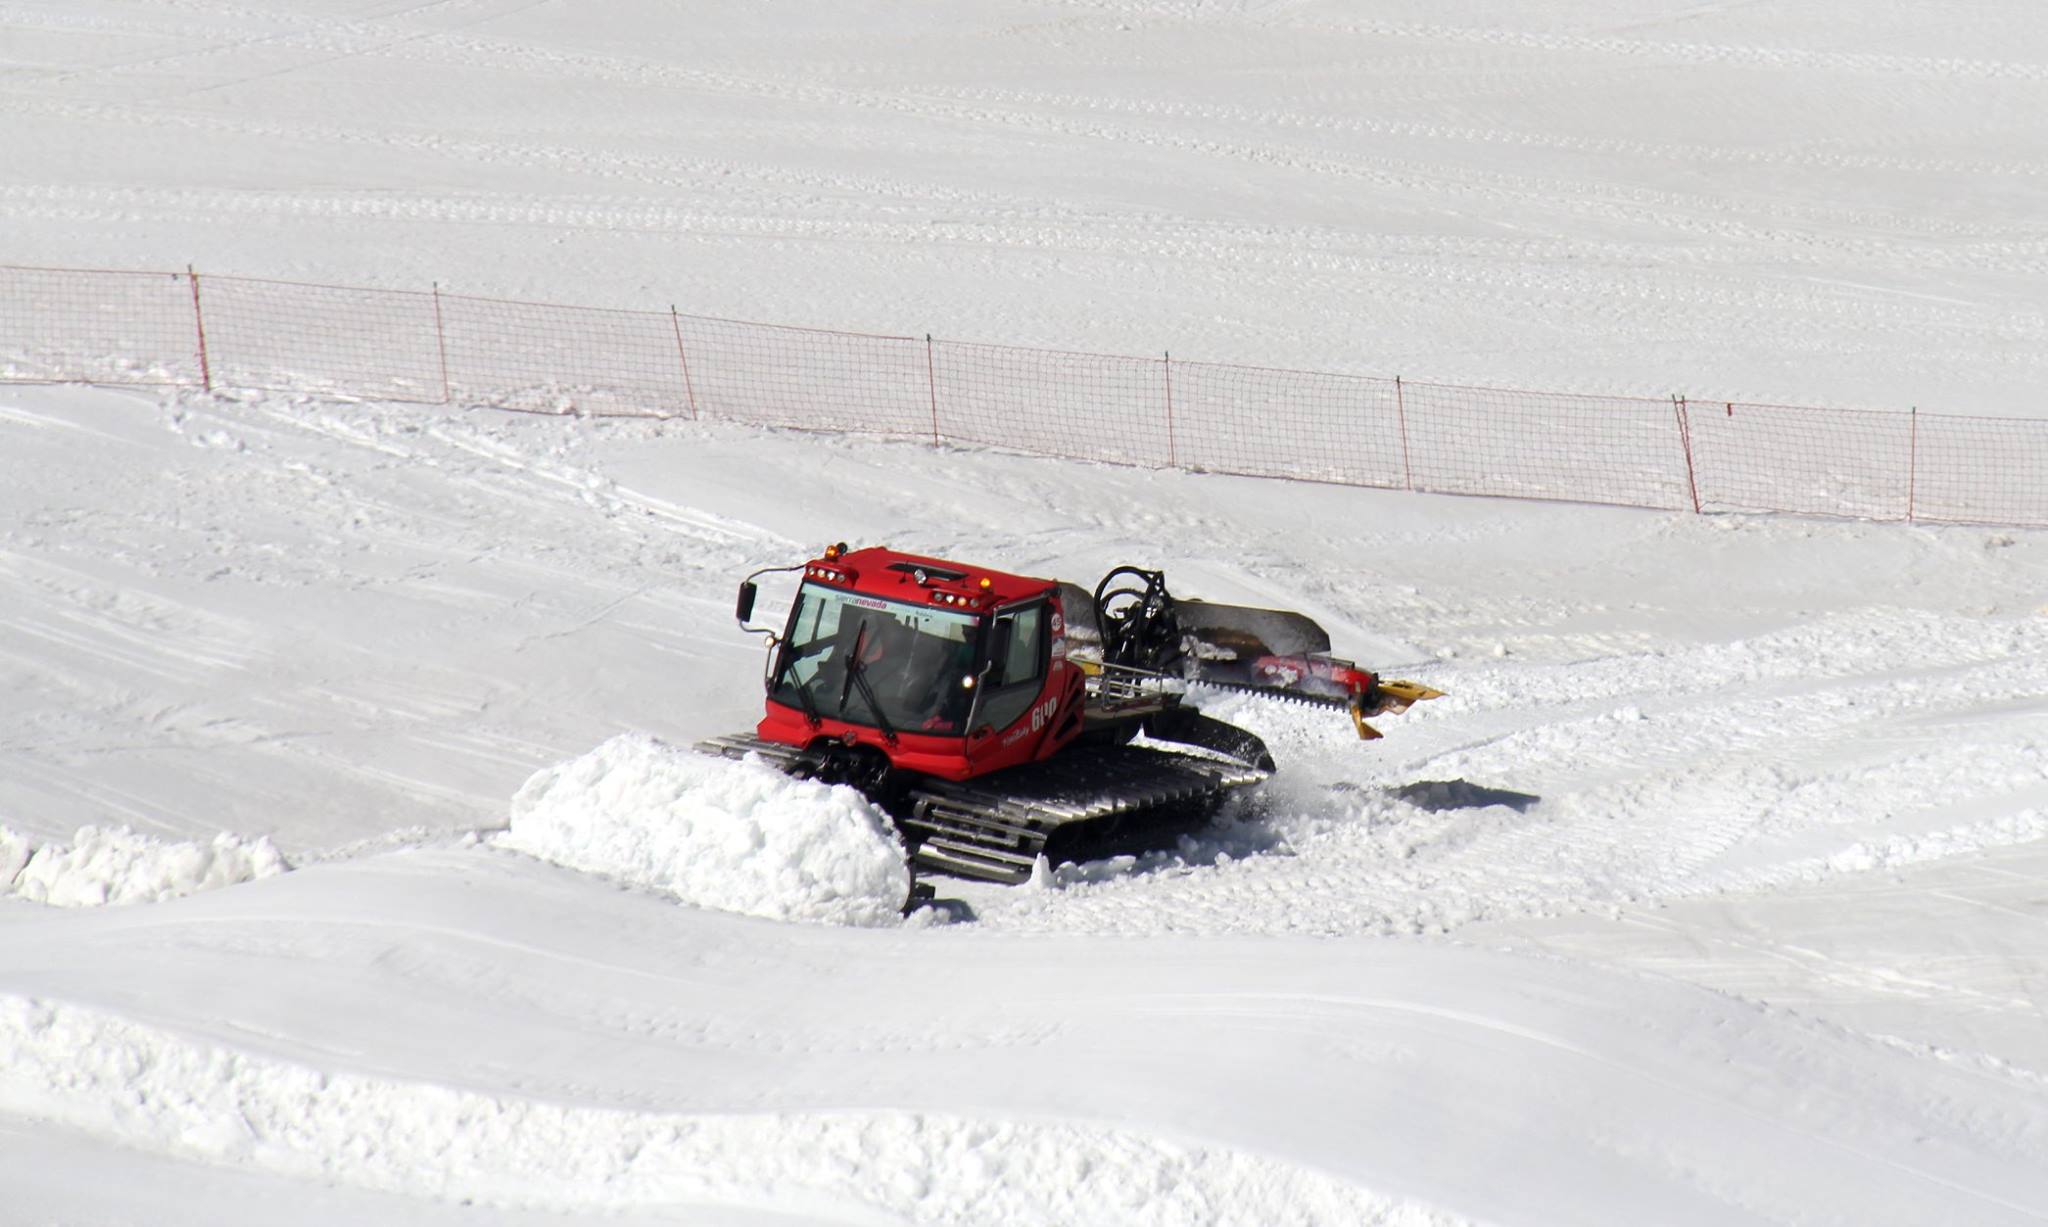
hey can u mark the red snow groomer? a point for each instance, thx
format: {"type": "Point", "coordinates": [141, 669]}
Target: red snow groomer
{"type": "Point", "coordinates": [993, 715]}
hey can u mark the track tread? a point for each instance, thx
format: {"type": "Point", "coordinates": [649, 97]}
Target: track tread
{"type": "Point", "coordinates": [996, 827]}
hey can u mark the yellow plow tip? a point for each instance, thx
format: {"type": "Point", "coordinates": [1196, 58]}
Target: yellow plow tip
{"type": "Point", "coordinates": [1409, 692]}
{"type": "Point", "coordinates": [1390, 699]}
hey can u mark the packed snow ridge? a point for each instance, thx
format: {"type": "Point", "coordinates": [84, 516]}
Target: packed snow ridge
{"type": "Point", "coordinates": [159, 1092]}
{"type": "Point", "coordinates": [118, 865]}
{"type": "Point", "coordinates": [739, 836]}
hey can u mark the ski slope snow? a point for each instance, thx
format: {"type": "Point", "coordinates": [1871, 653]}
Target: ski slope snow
{"type": "Point", "coordinates": [347, 862]}
{"type": "Point", "coordinates": [1817, 204]}
{"type": "Point", "coordinates": [1589, 886]}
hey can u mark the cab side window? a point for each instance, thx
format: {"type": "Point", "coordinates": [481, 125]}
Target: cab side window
{"type": "Point", "coordinates": [1020, 662]}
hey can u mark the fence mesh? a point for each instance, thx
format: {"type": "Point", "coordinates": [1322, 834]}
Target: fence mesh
{"type": "Point", "coordinates": [116, 327]}
{"type": "Point", "coordinates": [1269, 423]}
{"type": "Point", "coordinates": [97, 326]}
{"type": "Point", "coordinates": [808, 379]}
{"type": "Point", "coordinates": [1592, 449]}
{"type": "Point", "coordinates": [1818, 461]}
{"type": "Point", "coordinates": [1075, 406]}
{"type": "Point", "coordinates": [547, 359]}
{"type": "Point", "coordinates": [321, 339]}
{"type": "Point", "coordinates": [1980, 470]}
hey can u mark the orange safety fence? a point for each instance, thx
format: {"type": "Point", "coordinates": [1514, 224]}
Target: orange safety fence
{"type": "Point", "coordinates": [430, 347]}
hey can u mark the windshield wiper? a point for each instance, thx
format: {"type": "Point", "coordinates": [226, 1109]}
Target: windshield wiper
{"type": "Point", "coordinates": [857, 675]}
{"type": "Point", "coordinates": [803, 692]}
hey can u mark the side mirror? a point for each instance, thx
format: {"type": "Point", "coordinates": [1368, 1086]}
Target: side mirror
{"type": "Point", "coordinates": [744, 611]}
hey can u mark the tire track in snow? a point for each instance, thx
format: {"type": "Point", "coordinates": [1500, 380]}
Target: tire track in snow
{"type": "Point", "coordinates": [551, 478]}
{"type": "Point", "coordinates": [1684, 215]}
{"type": "Point", "coordinates": [1603, 200]}
{"type": "Point", "coordinates": [1328, 248]}
{"type": "Point", "coordinates": [1664, 209]}
{"type": "Point", "coordinates": [86, 618]}
{"type": "Point", "coordinates": [1684, 154]}
{"type": "Point", "coordinates": [1424, 270]}
{"type": "Point", "coordinates": [1760, 55]}
{"type": "Point", "coordinates": [1761, 764]}
{"type": "Point", "coordinates": [422, 515]}
{"type": "Point", "coordinates": [773, 186]}
{"type": "Point", "coordinates": [1941, 68]}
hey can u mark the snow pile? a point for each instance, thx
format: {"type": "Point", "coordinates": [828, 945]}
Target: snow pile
{"type": "Point", "coordinates": [739, 836]}
{"type": "Point", "coordinates": [123, 866]}
{"type": "Point", "coordinates": [1898, 849]}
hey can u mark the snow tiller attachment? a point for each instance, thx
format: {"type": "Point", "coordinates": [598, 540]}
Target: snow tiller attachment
{"type": "Point", "coordinates": [1234, 647]}
{"type": "Point", "coordinates": [993, 716]}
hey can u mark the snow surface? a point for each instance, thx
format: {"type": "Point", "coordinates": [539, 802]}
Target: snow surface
{"type": "Point", "coordinates": [740, 836]}
{"type": "Point", "coordinates": [1713, 891]}
{"type": "Point", "coordinates": [1821, 203]}
{"type": "Point", "coordinates": [1710, 892]}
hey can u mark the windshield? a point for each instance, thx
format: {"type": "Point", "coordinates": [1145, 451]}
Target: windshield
{"type": "Point", "coordinates": [917, 661]}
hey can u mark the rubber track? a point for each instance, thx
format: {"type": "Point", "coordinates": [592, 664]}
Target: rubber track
{"type": "Point", "coordinates": [995, 828]}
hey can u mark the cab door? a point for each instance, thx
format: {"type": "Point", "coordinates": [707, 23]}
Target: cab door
{"type": "Point", "coordinates": [1032, 698]}
{"type": "Point", "coordinates": [1019, 651]}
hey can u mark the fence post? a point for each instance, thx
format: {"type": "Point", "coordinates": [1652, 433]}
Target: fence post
{"type": "Point", "coordinates": [1913, 464]}
{"type": "Point", "coordinates": [441, 340]}
{"type": "Point", "coordinates": [199, 325]}
{"type": "Point", "coordinates": [1692, 481]}
{"type": "Point", "coordinates": [1172, 453]}
{"type": "Point", "coordinates": [931, 384]}
{"type": "Point", "coordinates": [675, 322]}
{"type": "Point", "coordinates": [1401, 414]}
